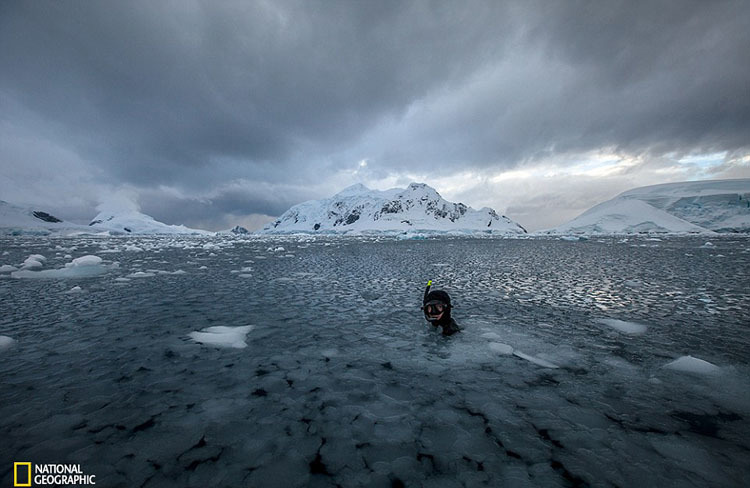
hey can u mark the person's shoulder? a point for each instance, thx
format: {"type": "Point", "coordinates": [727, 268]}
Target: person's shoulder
{"type": "Point", "coordinates": [451, 328]}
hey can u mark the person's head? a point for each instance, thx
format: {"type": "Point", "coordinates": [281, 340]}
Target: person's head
{"type": "Point", "coordinates": [437, 306]}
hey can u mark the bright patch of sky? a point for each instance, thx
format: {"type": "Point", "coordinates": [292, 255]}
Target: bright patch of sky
{"type": "Point", "coordinates": [704, 160]}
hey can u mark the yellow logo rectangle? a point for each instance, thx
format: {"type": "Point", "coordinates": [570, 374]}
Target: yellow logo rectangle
{"type": "Point", "coordinates": [16, 482]}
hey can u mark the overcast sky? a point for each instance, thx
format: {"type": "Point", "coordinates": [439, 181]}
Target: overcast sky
{"type": "Point", "coordinates": [217, 113]}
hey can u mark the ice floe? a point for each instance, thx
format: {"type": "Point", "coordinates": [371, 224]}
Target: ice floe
{"type": "Point", "coordinates": [633, 328]}
{"type": "Point", "coordinates": [141, 274]}
{"type": "Point", "coordinates": [222, 336]}
{"type": "Point", "coordinates": [501, 348]}
{"type": "Point", "coordinates": [34, 261]}
{"type": "Point", "coordinates": [6, 342]}
{"type": "Point", "coordinates": [535, 360]}
{"type": "Point", "coordinates": [83, 267]}
{"type": "Point", "coordinates": [693, 365]}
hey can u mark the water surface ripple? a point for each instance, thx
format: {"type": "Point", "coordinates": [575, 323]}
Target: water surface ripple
{"type": "Point", "coordinates": [343, 383]}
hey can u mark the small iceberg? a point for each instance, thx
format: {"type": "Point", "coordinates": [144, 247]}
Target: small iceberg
{"type": "Point", "coordinates": [83, 267]}
{"type": "Point", "coordinates": [223, 336]}
{"type": "Point", "coordinates": [689, 364]}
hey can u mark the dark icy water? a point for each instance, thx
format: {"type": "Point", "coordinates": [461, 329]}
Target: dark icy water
{"type": "Point", "coordinates": [558, 378]}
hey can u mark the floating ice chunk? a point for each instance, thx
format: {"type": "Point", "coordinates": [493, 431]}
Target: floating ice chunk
{"type": "Point", "coordinates": [6, 342]}
{"type": "Point", "coordinates": [633, 328]}
{"type": "Point", "coordinates": [141, 274]}
{"type": "Point", "coordinates": [689, 364]}
{"type": "Point", "coordinates": [7, 268]}
{"type": "Point", "coordinates": [122, 280]}
{"type": "Point", "coordinates": [75, 289]}
{"type": "Point", "coordinates": [83, 267]}
{"type": "Point", "coordinates": [501, 348]}
{"type": "Point", "coordinates": [245, 275]}
{"type": "Point", "coordinates": [707, 245]}
{"type": "Point", "coordinates": [33, 262]}
{"type": "Point", "coordinates": [535, 360]}
{"type": "Point", "coordinates": [223, 336]}
{"type": "Point", "coordinates": [132, 248]}
{"type": "Point", "coordinates": [492, 336]}
{"type": "Point", "coordinates": [88, 260]}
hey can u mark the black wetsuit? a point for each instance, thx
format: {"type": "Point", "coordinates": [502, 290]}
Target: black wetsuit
{"type": "Point", "coordinates": [449, 326]}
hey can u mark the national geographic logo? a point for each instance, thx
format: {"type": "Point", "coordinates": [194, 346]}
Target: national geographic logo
{"type": "Point", "coordinates": [50, 474]}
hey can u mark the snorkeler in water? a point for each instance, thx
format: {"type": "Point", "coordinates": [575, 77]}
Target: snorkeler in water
{"type": "Point", "coordinates": [436, 306]}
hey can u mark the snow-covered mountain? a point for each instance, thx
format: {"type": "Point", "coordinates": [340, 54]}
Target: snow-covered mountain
{"type": "Point", "coordinates": [16, 220]}
{"type": "Point", "coordinates": [20, 220]}
{"type": "Point", "coordinates": [416, 208]}
{"type": "Point", "coordinates": [688, 207]}
{"type": "Point", "coordinates": [129, 221]}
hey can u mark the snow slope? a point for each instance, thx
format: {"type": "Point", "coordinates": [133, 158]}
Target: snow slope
{"type": "Point", "coordinates": [416, 208]}
{"type": "Point", "coordinates": [717, 205]}
{"type": "Point", "coordinates": [134, 222]}
{"type": "Point", "coordinates": [16, 220]}
{"type": "Point", "coordinates": [674, 208]}
{"type": "Point", "coordinates": [19, 220]}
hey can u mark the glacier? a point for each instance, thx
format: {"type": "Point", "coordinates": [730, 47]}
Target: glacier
{"type": "Point", "coordinates": [695, 207]}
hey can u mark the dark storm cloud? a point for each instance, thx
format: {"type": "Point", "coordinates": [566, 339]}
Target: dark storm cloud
{"type": "Point", "coordinates": [153, 87]}
{"type": "Point", "coordinates": [231, 201]}
{"type": "Point", "coordinates": [195, 94]}
{"type": "Point", "coordinates": [639, 77]}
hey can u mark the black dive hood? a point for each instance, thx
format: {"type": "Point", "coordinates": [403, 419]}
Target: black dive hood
{"type": "Point", "coordinates": [437, 296]}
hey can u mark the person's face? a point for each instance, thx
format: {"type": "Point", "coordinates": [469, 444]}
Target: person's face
{"type": "Point", "coordinates": [435, 311]}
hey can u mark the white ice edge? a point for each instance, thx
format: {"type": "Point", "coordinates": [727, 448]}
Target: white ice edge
{"type": "Point", "coordinates": [632, 328]}
{"type": "Point", "coordinates": [535, 360]}
{"type": "Point", "coordinates": [6, 342]}
{"type": "Point", "coordinates": [693, 365]}
{"type": "Point", "coordinates": [222, 336]}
